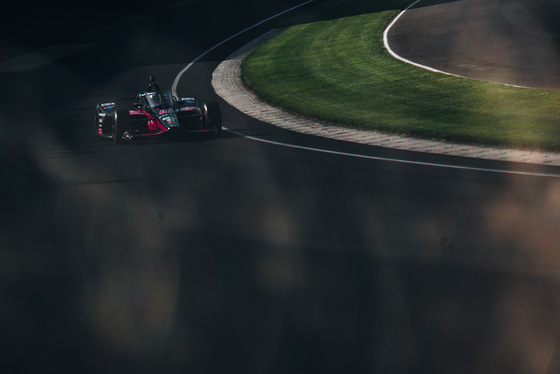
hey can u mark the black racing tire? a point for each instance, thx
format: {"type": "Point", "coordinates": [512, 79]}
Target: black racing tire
{"type": "Point", "coordinates": [215, 119]}
{"type": "Point", "coordinates": [121, 124]}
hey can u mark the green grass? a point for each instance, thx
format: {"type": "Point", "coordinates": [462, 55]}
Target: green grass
{"type": "Point", "coordinates": [338, 70]}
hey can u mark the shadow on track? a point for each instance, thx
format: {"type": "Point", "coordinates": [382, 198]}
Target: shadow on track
{"type": "Point", "coordinates": [229, 257]}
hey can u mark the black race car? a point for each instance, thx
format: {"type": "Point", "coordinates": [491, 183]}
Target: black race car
{"type": "Point", "coordinates": [155, 113]}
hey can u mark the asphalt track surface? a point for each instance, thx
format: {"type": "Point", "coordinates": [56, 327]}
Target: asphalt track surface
{"type": "Point", "coordinates": [507, 41]}
{"type": "Point", "coordinates": [236, 256]}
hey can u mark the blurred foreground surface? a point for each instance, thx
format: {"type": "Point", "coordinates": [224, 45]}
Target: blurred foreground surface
{"type": "Point", "coordinates": [233, 256]}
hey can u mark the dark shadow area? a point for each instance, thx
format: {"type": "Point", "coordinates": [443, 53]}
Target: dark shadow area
{"type": "Point", "coordinates": [226, 256]}
{"type": "Point", "coordinates": [547, 12]}
{"type": "Point", "coordinates": [324, 10]}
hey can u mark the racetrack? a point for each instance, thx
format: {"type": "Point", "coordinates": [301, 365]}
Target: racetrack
{"type": "Point", "coordinates": [232, 255]}
{"type": "Point", "coordinates": [515, 42]}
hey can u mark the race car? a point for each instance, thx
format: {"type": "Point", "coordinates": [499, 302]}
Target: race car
{"type": "Point", "coordinates": [155, 113]}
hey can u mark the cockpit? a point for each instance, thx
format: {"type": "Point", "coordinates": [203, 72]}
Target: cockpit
{"type": "Point", "coordinates": [163, 99]}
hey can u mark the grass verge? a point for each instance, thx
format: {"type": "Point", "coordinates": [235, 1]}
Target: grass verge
{"type": "Point", "coordinates": [338, 70]}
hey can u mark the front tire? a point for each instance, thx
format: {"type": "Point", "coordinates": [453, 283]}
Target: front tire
{"type": "Point", "coordinates": [121, 124]}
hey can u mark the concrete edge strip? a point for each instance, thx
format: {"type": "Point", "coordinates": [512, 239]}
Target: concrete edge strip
{"type": "Point", "coordinates": [227, 83]}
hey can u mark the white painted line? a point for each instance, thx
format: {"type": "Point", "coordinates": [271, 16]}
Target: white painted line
{"type": "Point", "coordinates": [397, 160]}
{"type": "Point", "coordinates": [386, 42]}
{"type": "Point", "coordinates": [178, 77]}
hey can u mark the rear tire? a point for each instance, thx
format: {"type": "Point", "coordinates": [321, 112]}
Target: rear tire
{"type": "Point", "coordinates": [215, 119]}
{"type": "Point", "coordinates": [121, 124]}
